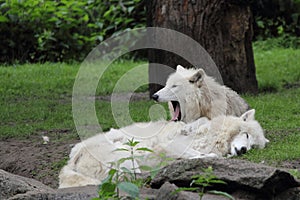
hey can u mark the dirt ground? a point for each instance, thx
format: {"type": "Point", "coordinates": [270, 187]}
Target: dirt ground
{"type": "Point", "coordinates": [31, 158]}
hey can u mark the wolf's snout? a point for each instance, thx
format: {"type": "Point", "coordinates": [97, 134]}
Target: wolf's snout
{"type": "Point", "coordinates": [241, 151]}
{"type": "Point", "coordinates": [155, 97]}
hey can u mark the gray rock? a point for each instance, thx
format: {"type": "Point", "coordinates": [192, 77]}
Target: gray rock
{"type": "Point", "coordinates": [245, 181]}
{"type": "Point", "coordinates": [264, 181]}
{"type": "Point", "coordinates": [167, 192]}
{"type": "Point", "coordinates": [145, 193]}
{"type": "Point", "coordinates": [290, 194]}
{"type": "Point", "coordinates": [75, 193]}
{"type": "Point", "coordinates": [148, 193]}
{"type": "Point", "coordinates": [11, 185]}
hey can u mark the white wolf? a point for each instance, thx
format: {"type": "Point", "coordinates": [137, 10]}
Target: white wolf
{"type": "Point", "coordinates": [221, 136]}
{"type": "Point", "coordinates": [193, 94]}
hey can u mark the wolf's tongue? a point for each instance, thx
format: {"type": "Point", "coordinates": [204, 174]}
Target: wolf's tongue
{"type": "Point", "coordinates": [176, 113]}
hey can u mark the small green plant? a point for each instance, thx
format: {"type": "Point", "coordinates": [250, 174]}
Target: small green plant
{"type": "Point", "coordinates": [201, 182]}
{"type": "Point", "coordinates": [162, 161]}
{"type": "Point", "coordinates": [121, 178]}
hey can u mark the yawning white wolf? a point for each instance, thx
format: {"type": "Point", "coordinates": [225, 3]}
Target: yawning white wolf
{"type": "Point", "coordinates": [193, 94]}
{"type": "Point", "coordinates": [221, 136]}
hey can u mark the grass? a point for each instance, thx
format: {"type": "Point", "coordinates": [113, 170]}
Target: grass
{"type": "Point", "coordinates": [35, 98]}
{"type": "Point", "coordinates": [38, 97]}
{"type": "Point", "coordinates": [277, 111]}
{"type": "Point", "coordinates": [279, 115]}
{"type": "Point", "coordinates": [276, 68]}
{"type": "Point", "coordinates": [278, 104]}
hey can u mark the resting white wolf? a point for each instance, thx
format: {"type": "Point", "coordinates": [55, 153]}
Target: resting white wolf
{"type": "Point", "coordinates": [193, 94]}
{"type": "Point", "coordinates": [221, 136]}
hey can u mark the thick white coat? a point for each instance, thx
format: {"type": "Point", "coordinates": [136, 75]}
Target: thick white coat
{"type": "Point", "coordinates": [199, 95]}
{"type": "Point", "coordinates": [90, 160]}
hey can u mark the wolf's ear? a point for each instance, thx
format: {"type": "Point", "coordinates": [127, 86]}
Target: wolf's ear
{"type": "Point", "coordinates": [249, 115]}
{"type": "Point", "coordinates": [179, 68]}
{"type": "Point", "coordinates": [197, 77]}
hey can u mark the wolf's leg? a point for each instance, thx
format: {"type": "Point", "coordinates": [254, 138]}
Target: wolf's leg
{"type": "Point", "coordinates": [195, 127]}
{"type": "Point", "coordinates": [70, 178]}
{"type": "Point", "coordinates": [205, 155]}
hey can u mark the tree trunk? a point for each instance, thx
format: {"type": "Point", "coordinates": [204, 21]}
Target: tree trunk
{"type": "Point", "coordinates": [222, 27]}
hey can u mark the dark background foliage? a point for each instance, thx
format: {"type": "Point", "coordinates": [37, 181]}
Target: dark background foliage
{"type": "Point", "coordinates": [62, 30]}
{"type": "Point", "coordinates": [276, 18]}
{"type": "Point", "coordinates": [67, 30]}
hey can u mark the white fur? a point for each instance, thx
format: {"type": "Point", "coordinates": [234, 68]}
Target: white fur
{"type": "Point", "coordinates": [221, 136]}
{"type": "Point", "coordinates": [199, 95]}
{"type": "Point", "coordinates": [204, 131]}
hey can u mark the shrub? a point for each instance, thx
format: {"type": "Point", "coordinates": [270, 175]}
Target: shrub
{"type": "Point", "coordinates": [62, 30]}
{"type": "Point", "coordinates": [276, 18]}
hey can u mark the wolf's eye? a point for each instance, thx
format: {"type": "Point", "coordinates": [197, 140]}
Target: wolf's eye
{"type": "Point", "coordinates": [246, 134]}
{"type": "Point", "coordinates": [174, 86]}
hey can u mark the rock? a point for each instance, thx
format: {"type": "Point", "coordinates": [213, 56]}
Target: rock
{"type": "Point", "coordinates": [245, 181]}
{"type": "Point", "coordinates": [290, 194]}
{"type": "Point", "coordinates": [11, 185]}
{"type": "Point", "coordinates": [75, 193]}
{"type": "Point", "coordinates": [14, 187]}
{"type": "Point", "coordinates": [145, 193]}
{"type": "Point", "coordinates": [167, 192]}
{"type": "Point", "coordinates": [261, 180]}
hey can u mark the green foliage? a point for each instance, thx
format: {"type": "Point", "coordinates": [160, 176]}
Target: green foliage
{"type": "Point", "coordinates": [161, 159]}
{"type": "Point", "coordinates": [46, 30]}
{"type": "Point", "coordinates": [276, 18]}
{"type": "Point", "coordinates": [121, 178]}
{"type": "Point", "coordinates": [131, 189]}
{"type": "Point", "coordinates": [201, 182]}
{"type": "Point", "coordinates": [282, 42]}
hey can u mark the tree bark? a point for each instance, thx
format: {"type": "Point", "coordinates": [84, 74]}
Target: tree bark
{"type": "Point", "coordinates": [222, 27]}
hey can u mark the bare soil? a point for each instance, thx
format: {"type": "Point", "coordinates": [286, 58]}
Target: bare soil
{"type": "Point", "coordinates": [31, 158]}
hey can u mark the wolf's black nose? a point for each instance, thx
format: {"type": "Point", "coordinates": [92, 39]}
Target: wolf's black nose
{"type": "Point", "coordinates": [155, 97]}
{"type": "Point", "coordinates": [242, 151]}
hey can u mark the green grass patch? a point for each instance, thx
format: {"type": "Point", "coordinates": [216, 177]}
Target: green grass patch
{"type": "Point", "coordinates": [277, 111]}
{"type": "Point", "coordinates": [121, 75]}
{"type": "Point", "coordinates": [138, 111]}
{"type": "Point", "coordinates": [283, 146]}
{"type": "Point", "coordinates": [279, 115]}
{"type": "Point", "coordinates": [277, 68]}
{"type": "Point", "coordinates": [38, 97]}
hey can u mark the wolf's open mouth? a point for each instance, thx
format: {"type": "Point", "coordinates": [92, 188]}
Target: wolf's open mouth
{"type": "Point", "coordinates": [177, 114]}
